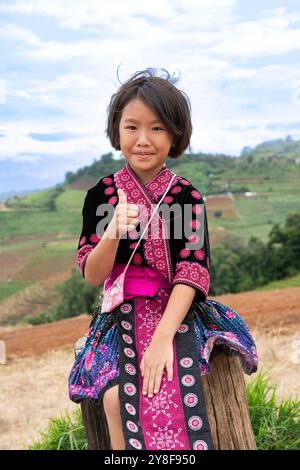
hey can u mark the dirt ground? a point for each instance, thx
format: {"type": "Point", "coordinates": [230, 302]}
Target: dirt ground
{"type": "Point", "coordinates": [39, 359]}
{"type": "Point", "coordinates": [269, 311]}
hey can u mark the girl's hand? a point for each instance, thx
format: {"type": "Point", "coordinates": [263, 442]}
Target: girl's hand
{"type": "Point", "coordinates": [157, 357]}
{"type": "Point", "coordinates": [125, 216]}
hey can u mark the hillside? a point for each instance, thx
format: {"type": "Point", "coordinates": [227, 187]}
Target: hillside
{"type": "Point", "coordinates": [41, 356]}
{"type": "Point", "coordinates": [39, 231]}
{"type": "Point", "coordinates": [262, 311]}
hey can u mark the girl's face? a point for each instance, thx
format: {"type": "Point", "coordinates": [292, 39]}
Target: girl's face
{"type": "Point", "coordinates": [144, 140]}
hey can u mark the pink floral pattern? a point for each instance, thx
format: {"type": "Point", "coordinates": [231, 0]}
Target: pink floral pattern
{"type": "Point", "coordinates": [82, 255]}
{"type": "Point", "coordinates": [192, 274]}
{"type": "Point", "coordinates": [156, 246]}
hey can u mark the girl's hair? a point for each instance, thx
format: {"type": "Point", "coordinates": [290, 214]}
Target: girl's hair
{"type": "Point", "coordinates": [171, 105]}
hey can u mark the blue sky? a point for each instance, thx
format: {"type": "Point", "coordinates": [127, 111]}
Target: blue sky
{"type": "Point", "coordinates": [239, 63]}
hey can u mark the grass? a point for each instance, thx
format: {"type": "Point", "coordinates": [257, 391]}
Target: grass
{"type": "Point", "coordinates": [11, 288]}
{"type": "Point", "coordinates": [257, 215]}
{"type": "Point", "coordinates": [293, 281]}
{"type": "Point", "coordinates": [64, 433]}
{"type": "Point", "coordinates": [275, 425]}
{"type": "Point", "coordinates": [70, 200]}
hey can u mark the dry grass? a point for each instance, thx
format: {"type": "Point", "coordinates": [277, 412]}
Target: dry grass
{"type": "Point", "coordinates": [281, 353]}
{"type": "Point", "coordinates": [33, 299]}
{"type": "Point", "coordinates": [35, 389]}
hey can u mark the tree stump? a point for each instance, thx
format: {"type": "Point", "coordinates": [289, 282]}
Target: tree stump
{"type": "Point", "coordinates": [226, 404]}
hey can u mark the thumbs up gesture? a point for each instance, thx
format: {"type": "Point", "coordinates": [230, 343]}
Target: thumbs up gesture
{"type": "Point", "coordinates": [125, 216]}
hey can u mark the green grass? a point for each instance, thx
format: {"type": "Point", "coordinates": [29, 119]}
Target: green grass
{"type": "Point", "coordinates": [257, 215]}
{"type": "Point", "coordinates": [70, 200]}
{"type": "Point", "coordinates": [64, 433]}
{"type": "Point", "coordinates": [11, 288]}
{"type": "Point", "coordinates": [293, 281]}
{"type": "Point", "coordinates": [39, 222]}
{"type": "Point", "coordinates": [275, 425]}
{"type": "Point", "coordinates": [36, 198]}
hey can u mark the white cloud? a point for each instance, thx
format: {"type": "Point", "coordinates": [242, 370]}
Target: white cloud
{"type": "Point", "coordinates": [2, 92]}
{"type": "Point", "coordinates": [269, 35]}
{"type": "Point", "coordinates": [203, 40]}
{"type": "Point", "coordinates": [18, 34]}
{"type": "Point", "coordinates": [78, 15]}
{"type": "Point", "coordinates": [52, 92]}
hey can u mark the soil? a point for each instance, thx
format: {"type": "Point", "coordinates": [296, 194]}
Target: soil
{"type": "Point", "coordinates": [34, 380]}
{"type": "Point", "coordinates": [275, 311]}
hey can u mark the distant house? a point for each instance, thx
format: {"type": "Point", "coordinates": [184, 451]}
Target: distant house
{"type": "Point", "coordinates": [250, 194]}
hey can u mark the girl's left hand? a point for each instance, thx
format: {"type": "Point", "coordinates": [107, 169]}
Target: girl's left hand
{"type": "Point", "coordinates": [157, 357]}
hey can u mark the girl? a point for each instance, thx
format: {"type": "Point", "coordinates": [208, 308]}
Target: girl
{"type": "Point", "coordinates": [145, 358]}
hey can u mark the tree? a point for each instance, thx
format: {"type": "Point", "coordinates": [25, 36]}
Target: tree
{"type": "Point", "coordinates": [77, 297]}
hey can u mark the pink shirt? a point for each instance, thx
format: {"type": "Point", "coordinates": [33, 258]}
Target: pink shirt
{"type": "Point", "coordinates": [139, 280]}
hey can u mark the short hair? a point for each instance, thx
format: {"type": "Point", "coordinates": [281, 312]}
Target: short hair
{"type": "Point", "coordinates": [170, 104]}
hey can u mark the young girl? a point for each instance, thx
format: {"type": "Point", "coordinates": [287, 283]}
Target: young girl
{"type": "Point", "coordinates": [145, 358]}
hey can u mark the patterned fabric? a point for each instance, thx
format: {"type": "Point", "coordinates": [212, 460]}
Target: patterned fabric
{"type": "Point", "coordinates": [175, 259]}
{"type": "Point", "coordinates": [175, 418]}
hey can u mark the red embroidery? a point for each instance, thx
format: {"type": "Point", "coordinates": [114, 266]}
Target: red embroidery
{"type": "Point", "coordinates": [166, 428]}
{"type": "Point", "coordinates": [197, 209]}
{"type": "Point", "coordinates": [156, 246]}
{"type": "Point", "coordinates": [193, 274]}
{"type": "Point", "coordinates": [109, 190]}
{"type": "Point", "coordinates": [184, 253]}
{"type": "Point", "coordinates": [107, 181]}
{"type": "Point", "coordinates": [196, 195]}
{"type": "Point", "coordinates": [82, 255]}
{"type": "Point", "coordinates": [94, 238]}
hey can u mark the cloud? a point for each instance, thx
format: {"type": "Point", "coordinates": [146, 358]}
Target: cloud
{"type": "Point", "coordinates": [19, 35]}
{"type": "Point", "coordinates": [274, 33]}
{"type": "Point", "coordinates": [117, 14]}
{"type": "Point", "coordinates": [56, 137]}
{"type": "Point", "coordinates": [283, 126]}
{"type": "Point", "coordinates": [60, 61]}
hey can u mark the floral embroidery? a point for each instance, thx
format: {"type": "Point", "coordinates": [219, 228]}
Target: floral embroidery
{"type": "Point", "coordinates": [95, 238]}
{"type": "Point", "coordinates": [156, 247]}
{"type": "Point", "coordinates": [82, 255]}
{"type": "Point", "coordinates": [193, 274]}
{"type": "Point", "coordinates": [109, 190]}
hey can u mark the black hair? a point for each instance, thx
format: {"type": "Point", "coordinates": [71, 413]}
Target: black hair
{"type": "Point", "coordinates": [170, 104]}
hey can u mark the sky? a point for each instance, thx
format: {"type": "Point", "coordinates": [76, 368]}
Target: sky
{"type": "Point", "coordinates": [61, 60]}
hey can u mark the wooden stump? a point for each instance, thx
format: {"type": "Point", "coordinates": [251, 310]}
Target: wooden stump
{"type": "Point", "coordinates": [226, 404]}
{"type": "Point", "coordinates": [94, 419]}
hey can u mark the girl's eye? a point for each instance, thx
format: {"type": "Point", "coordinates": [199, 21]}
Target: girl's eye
{"type": "Point", "coordinates": [133, 127]}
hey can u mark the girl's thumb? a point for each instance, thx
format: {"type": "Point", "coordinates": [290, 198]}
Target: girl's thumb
{"type": "Point", "coordinates": [122, 195]}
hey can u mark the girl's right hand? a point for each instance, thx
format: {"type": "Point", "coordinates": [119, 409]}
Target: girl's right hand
{"type": "Point", "coordinates": [125, 216]}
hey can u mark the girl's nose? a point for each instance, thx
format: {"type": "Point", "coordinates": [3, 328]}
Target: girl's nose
{"type": "Point", "coordinates": [143, 138]}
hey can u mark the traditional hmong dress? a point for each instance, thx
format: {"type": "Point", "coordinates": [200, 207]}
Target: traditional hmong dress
{"type": "Point", "coordinates": [175, 418]}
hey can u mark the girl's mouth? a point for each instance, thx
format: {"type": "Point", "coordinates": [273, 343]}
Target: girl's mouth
{"type": "Point", "coordinates": [143, 155]}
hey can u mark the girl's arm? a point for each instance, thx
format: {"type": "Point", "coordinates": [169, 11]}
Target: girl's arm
{"type": "Point", "coordinates": [159, 354]}
{"type": "Point", "coordinates": [191, 279]}
{"type": "Point", "coordinates": [100, 261]}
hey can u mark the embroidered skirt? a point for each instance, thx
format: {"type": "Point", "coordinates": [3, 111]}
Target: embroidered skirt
{"type": "Point", "coordinates": [174, 418]}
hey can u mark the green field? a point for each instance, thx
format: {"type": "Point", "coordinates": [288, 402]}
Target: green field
{"type": "Point", "coordinates": [38, 241]}
{"type": "Point", "coordinates": [8, 289]}
{"type": "Point", "coordinates": [293, 281]}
